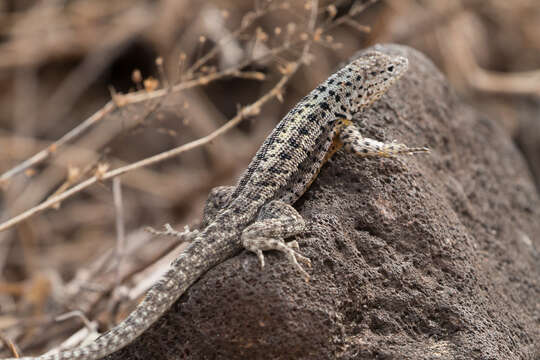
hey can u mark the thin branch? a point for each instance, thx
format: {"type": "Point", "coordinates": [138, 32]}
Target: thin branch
{"type": "Point", "coordinates": [250, 110]}
{"type": "Point", "coordinates": [247, 111]}
{"type": "Point", "coordinates": [174, 244]}
{"type": "Point", "coordinates": [120, 226]}
{"type": "Point", "coordinates": [53, 148]}
{"type": "Point", "coordinates": [10, 345]}
{"type": "Point", "coordinates": [142, 95]}
{"type": "Point", "coordinates": [525, 83]}
{"type": "Point", "coordinates": [122, 100]}
{"type": "Point", "coordinates": [247, 21]}
{"type": "Point", "coordinates": [120, 252]}
{"type": "Point", "coordinates": [91, 326]}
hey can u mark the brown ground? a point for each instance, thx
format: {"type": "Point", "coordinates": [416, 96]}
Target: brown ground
{"type": "Point", "coordinates": [428, 257]}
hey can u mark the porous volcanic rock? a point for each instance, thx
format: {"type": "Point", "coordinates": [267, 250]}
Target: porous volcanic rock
{"type": "Point", "coordinates": [425, 257]}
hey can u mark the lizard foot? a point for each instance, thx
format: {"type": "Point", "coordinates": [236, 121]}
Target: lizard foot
{"type": "Point", "coordinates": [277, 221]}
{"type": "Point", "coordinates": [186, 235]}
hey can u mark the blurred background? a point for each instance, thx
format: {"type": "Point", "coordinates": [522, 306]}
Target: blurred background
{"type": "Point", "coordinates": [91, 86]}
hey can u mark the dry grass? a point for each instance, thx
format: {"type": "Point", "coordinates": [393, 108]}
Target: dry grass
{"type": "Point", "coordinates": [170, 99]}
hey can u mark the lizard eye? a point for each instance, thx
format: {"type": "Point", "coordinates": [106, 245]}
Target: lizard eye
{"type": "Point", "coordinates": [390, 68]}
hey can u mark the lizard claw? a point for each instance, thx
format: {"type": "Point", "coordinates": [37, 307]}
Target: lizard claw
{"type": "Point", "coordinates": [294, 256]}
{"type": "Point", "coordinates": [260, 255]}
{"type": "Point", "coordinates": [289, 249]}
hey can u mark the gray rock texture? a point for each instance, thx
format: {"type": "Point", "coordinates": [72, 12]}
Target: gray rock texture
{"type": "Point", "coordinates": [426, 257]}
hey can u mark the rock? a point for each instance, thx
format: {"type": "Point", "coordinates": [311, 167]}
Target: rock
{"type": "Point", "coordinates": [528, 137]}
{"type": "Point", "coordinates": [426, 257]}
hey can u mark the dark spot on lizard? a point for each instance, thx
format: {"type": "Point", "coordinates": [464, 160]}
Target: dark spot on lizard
{"type": "Point", "coordinates": [324, 105]}
{"type": "Point", "coordinates": [303, 130]}
{"type": "Point", "coordinates": [293, 142]}
{"type": "Point", "coordinates": [284, 156]}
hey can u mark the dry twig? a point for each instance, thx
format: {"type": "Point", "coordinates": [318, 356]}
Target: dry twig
{"type": "Point", "coordinates": [247, 111]}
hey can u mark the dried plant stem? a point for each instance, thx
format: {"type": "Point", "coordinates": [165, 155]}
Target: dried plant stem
{"type": "Point", "coordinates": [10, 345]}
{"type": "Point", "coordinates": [524, 83]}
{"type": "Point", "coordinates": [121, 100]}
{"type": "Point", "coordinates": [142, 95]}
{"type": "Point", "coordinates": [246, 23]}
{"type": "Point", "coordinates": [42, 155]}
{"type": "Point", "coordinates": [250, 110]}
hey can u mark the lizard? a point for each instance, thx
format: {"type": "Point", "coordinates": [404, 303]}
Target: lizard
{"type": "Point", "coordinates": [257, 214]}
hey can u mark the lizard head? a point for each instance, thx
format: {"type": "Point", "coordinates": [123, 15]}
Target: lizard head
{"type": "Point", "coordinates": [372, 74]}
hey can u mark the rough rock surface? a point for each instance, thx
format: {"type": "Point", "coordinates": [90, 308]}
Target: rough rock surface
{"type": "Point", "coordinates": [428, 257]}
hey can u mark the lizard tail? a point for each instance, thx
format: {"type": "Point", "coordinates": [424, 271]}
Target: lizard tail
{"type": "Point", "coordinates": [204, 253]}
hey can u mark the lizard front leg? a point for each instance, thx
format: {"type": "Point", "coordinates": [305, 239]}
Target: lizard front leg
{"type": "Point", "coordinates": [277, 221]}
{"type": "Point", "coordinates": [353, 141]}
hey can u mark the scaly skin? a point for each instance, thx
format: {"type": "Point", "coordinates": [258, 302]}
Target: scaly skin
{"type": "Point", "coordinates": [257, 214]}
